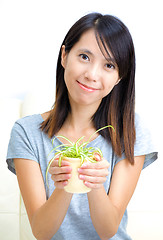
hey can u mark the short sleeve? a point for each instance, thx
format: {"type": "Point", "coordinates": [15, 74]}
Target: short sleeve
{"type": "Point", "coordinates": [19, 146]}
{"type": "Point", "coordinates": [144, 143]}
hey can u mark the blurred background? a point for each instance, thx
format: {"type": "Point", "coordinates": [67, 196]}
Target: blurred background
{"type": "Point", "coordinates": [31, 33]}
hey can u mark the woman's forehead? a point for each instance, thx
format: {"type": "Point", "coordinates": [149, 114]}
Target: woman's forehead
{"type": "Point", "coordinates": [89, 43]}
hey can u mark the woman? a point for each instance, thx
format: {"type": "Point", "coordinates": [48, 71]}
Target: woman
{"type": "Point", "coordinates": [95, 86]}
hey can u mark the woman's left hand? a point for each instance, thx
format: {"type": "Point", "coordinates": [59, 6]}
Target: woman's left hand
{"type": "Point", "coordinates": [94, 174]}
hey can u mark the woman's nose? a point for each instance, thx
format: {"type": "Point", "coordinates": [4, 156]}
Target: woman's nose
{"type": "Point", "coordinates": [93, 72]}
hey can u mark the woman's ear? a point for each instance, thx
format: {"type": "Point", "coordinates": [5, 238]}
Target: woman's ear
{"type": "Point", "coordinates": [63, 56]}
{"type": "Point", "coordinates": [118, 81]}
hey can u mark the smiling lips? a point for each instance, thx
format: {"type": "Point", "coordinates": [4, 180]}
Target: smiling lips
{"type": "Point", "coordinates": [86, 88]}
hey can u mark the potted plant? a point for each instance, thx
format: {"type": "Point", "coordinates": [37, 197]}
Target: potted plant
{"type": "Point", "coordinates": [76, 154]}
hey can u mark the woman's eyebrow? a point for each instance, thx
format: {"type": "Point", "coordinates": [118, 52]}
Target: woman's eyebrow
{"type": "Point", "coordinates": [86, 51]}
{"type": "Point", "coordinates": [108, 58]}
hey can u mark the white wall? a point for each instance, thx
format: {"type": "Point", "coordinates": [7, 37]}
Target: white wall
{"type": "Point", "coordinates": [30, 36]}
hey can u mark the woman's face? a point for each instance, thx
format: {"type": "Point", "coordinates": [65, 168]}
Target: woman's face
{"type": "Point", "coordinates": [89, 77]}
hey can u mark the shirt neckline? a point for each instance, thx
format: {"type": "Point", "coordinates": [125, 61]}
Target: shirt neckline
{"type": "Point", "coordinates": [91, 142]}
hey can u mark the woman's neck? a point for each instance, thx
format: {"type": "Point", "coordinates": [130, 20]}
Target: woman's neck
{"type": "Point", "coordinates": [79, 123]}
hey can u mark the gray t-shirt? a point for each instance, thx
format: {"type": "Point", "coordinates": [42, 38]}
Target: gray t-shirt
{"type": "Point", "coordinates": [29, 142]}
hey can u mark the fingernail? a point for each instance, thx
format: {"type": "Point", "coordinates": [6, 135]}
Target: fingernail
{"type": "Point", "coordinates": [69, 176]}
{"type": "Point", "coordinates": [81, 177]}
{"type": "Point", "coordinates": [79, 170]}
{"type": "Point", "coordinates": [69, 169]}
{"type": "Point", "coordinates": [84, 165]}
{"type": "Point", "coordinates": [65, 183]}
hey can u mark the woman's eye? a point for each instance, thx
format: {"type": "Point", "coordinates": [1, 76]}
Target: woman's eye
{"type": "Point", "coordinates": [84, 57]}
{"type": "Point", "coordinates": [110, 66]}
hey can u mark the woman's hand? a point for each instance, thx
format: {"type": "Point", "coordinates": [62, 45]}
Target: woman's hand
{"type": "Point", "coordinates": [94, 174]}
{"type": "Point", "coordinates": [60, 175]}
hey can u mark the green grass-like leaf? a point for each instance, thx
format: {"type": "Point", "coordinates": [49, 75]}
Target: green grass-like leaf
{"type": "Point", "coordinates": [75, 150]}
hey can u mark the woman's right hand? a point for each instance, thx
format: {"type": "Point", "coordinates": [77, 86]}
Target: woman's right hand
{"type": "Point", "coordinates": [60, 175]}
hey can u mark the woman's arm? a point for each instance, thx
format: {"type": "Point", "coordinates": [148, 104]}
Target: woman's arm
{"type": "Point", "coordinates": [107, 210]}
{"type": "Point", "coordinates": [45, 216]}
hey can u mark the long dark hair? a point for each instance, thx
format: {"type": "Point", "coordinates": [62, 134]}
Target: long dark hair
{"type": "Point", "coordinates": [118, 107]}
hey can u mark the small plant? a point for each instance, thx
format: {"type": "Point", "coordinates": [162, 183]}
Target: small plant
{"type": "Point", "coordinates": [76, 150]}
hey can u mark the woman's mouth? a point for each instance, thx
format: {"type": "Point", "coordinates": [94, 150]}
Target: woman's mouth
{"type": "Point", "coordinates": [86, 88]}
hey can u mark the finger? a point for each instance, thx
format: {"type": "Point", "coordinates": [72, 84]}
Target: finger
{"type": "Point", "coordinates": [94, 172]}
{"type": "Point", "coordinates": [101, 164]}
{"type": "Point", "coordinates": [55, 163]}
{"type": "Point", "coordinates": [60, 177]}
{"type": "Point", "coordinates": [60, 170]}
{"type": "Point", "coordinates": [61, 184]}
{"type": "Point", "coordinates": [92, 185]}
{"type": "Point", "coordinates": [92, 179]}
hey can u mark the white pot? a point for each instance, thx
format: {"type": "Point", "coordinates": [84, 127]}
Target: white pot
{"type": "Point", "coordinates": [75, 185]}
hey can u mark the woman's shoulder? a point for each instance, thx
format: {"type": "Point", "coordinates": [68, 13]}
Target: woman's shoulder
{"type": "Point", "coordinates": [141, 127]}
{"type": "Point", "coordinates": [28, 125]}
{"type": "Point", "coordinates": [30, 121]}
{"type": "Point", "coordinates": [34, 118]}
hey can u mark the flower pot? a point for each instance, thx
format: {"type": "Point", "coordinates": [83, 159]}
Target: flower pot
{"type": "Point", "coordinates": [75, 185]}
